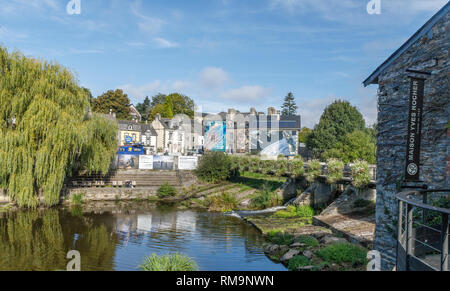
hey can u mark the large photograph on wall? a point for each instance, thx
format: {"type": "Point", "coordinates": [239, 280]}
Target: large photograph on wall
{"type": "Point", "coordinates": [127, 161]}
{"type": "Point", "coordinates": [285, 144]}
{"type": "Point", "coordinates": [215, 136]}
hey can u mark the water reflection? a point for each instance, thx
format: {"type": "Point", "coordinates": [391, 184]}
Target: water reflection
{"type": "Point", "coordinates": [119, 236]}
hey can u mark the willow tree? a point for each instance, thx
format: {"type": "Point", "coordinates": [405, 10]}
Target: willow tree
{"type": "Point", "coordinates": [46, 131]}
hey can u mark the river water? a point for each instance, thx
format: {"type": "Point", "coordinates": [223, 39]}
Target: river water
{"type": "Point", "coordinates": [118, 236]}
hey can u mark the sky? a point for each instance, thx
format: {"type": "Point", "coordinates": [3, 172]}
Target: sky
{"type": "Point", "coordinates": [221, 53]}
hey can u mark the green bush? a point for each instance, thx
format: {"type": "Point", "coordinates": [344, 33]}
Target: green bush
{"type": "Point", "coordinates": [360, 174]}
{"type": "Point", "coordinates": [77, 198]}
{"type": "Point", "coordinates": [174, 262]}
{"type": "Point", "coordinates": [213, 167]}
{"type": "Point", "coordinates": [309, 241]}
{"type": "Point", "coordinates": [314, 170]}
{"type": "Point", "coordinates": [280, 238]}
{"type": "Point", "coordinates": [222, 203]}
{"type": "Point", "coordinates": [297, 262]}
{"type": "Point", "coordinates": [343, 253]}
{"type": "Point", "coordinates": [166, 190]}
{"type": "Point", "coordinates": [296, 168]}
{"type": "Point", "coordinates": [335, 170]}
{"type": "Point", "coordinates": [303, 211]}
{"type": "Point", "coordinates": [265, 198]}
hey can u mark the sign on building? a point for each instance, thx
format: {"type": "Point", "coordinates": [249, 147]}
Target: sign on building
{"type": "Point", "coordinates": [127, 161]}
{"type": "Point", "coordinates": [145, 162]}
{"type": "Point", "coordinates": [163, 162]}
{"type": "Point", "coordinates": [187, 163]}
{"type": "Point", "coordinates": [414, 129]}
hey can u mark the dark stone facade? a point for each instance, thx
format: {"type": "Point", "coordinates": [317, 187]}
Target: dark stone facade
{"type": "Point", "coordinates": [429, 53]}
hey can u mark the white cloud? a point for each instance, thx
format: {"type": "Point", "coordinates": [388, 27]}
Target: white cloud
{"type": "Point", "coordinates": [141, 91]}
{"type": "Point", "coordinates": [147, 24]}
{"type": "Point", "coordinates": [164, 43]}
{"type": "Point", "coordinates": [213, 78]}
{"type": "Point", "coordinates": [181, 85]}
{"type": "Point", "coordinates": [246, 94]}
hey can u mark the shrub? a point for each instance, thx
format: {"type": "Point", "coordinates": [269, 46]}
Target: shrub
{"type": "Point", "coordinates": [166, 190]}
{"type": "Point", "coordinates": [265, 198]}
{"type": "Point", "coordinates": [335, 170]}
{"type": "Point", "coordinates": [281, 167]}
{"type": "Point", "coordinates": [343, 252]}
{"type": "Point", "coordinates": [296, 167]}
{"type": "Point", "coordinates": [280, 238]}
{"type": "Point", "coordinates": [174, 262]}
{"type": "Point", "coordinates": [360, 174]}
{"type": "Point", "coordinates": [297, 262]}
{"type": "Point", "coordinates": [314, 170]}
{"type": "Point", "coordinates": [224, 202]}
{"type": "Point", "coordinates": [309, 241]}
{"type": "Point", "coordinates": [213, 167]}
{"type": "Point", "coordinates": [267, 166]}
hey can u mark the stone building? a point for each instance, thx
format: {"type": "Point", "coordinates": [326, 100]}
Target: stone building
{"type": "Point", "coordinates": [424, 55]}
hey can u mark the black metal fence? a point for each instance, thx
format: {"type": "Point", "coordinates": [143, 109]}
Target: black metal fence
{"type": "Point", "coordinates": [423, 231]}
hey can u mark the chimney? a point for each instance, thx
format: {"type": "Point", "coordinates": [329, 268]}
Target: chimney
{"type": "Point", "coordinates": [271, 111]}
{"type": "Point", "coordinates": [252, 111]}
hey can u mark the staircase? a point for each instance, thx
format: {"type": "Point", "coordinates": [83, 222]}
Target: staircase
{"type": "Point", "coordinates": [139, 178]}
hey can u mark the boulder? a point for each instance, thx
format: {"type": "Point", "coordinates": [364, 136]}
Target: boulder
{"type": "Point", "coordinates": [332, 239]}
{"type": "Point", "coordinates": [305, 268]}
{"type": "Point", "coordinates": [298, 245]}
{"type": "Point", "coordinates": [308, 254]}
{"type": "Point", "coordinates": [289, 255]}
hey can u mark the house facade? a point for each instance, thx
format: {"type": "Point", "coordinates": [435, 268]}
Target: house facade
{"type": "Point", "coordinates": [419, 69]}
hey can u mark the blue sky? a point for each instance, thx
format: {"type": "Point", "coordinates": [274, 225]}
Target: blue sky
{"type": "Point", "coordinates": [222, 53]}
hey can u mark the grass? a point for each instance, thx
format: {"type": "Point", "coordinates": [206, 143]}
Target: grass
{"type": "Point", "coordinates": [265, 198]}
{"type": "Point", "coordinates": [297, 262]}
{"type": "Point", "coordinates": [303, 211]}
{"type": "Point", "coordinates": [77, 198]}
{"type": "Point", "coordinates": [169, 262]}
{"type": "Point", "coordinates": [340, 253]}
{"type": "Point", "coordinates": [280, 238]}
{"type": "Point", "coordinates": [222, 203]}
{"type": "Point", "coordinates": [309, 241]}
{"type": "Point", "coordinates": [256, 180]}
{"type": "Point", "coordinates": [166, 190]}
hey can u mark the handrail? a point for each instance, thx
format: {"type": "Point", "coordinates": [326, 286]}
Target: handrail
{"type": "Point", "coordinates": [407, 258]}
{"type": "Point", "coordinates": [403, 196]}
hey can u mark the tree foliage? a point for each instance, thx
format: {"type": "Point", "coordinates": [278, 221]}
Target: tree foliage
{"type": "Point", "coordinates": [289, 107]}
{"type": "Point", "coordinates": [144, 108]}
{"type": "Point", "coordinates": [45, 131]}
{"type": "Point", "coordinates": [338, 119]}
{"type": "Point", "coordinates": [357, 145]}
{"type": "Point", "coordinates": [214, 167]}
{"type": "Point", "coordinates": [171, 105]}
{"type": "Point", "coordinates": [304, 134]}
{"type": "Point", "coordinates": [116, 100]}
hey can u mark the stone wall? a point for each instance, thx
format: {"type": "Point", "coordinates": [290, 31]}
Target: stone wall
{"type": "Point", "coordinates": [393, 105]}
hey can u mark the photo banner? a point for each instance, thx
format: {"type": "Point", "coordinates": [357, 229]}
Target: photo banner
{"type": "Point", "coordinates": [412, 170]}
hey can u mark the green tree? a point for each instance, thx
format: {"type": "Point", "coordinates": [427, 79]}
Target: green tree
{"type": "Point", "coordinates": [289, 107]}
{"type": "Point", "coordinates": [357, 145]}
{"type": "Point", "coordinates": [144, 108]}
{"type": "Point", "coordinates": [116, 100]}
{"type": "Point", "coordinates": [171, 105]}
{"type": "Point", "coordinates": [45, 131]}
{"type": "Point", "coordinates": [304, 134]}
{"type": "Point", "coordinates": [337, 120]}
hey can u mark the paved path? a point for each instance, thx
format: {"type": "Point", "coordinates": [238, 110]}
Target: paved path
{"type": "Point", "coordinates": [356, 227]}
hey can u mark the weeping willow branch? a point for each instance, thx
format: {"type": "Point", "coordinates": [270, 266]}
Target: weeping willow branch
{"type": "Point", "coordinates": [45, 131]}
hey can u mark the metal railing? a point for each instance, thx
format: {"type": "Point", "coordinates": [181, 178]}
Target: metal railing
{"type": "Point", "coordinates": [423, 231]}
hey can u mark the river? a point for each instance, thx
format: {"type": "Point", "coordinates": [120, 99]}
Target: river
{"type": "Point", "coordinates": [118, 236]}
